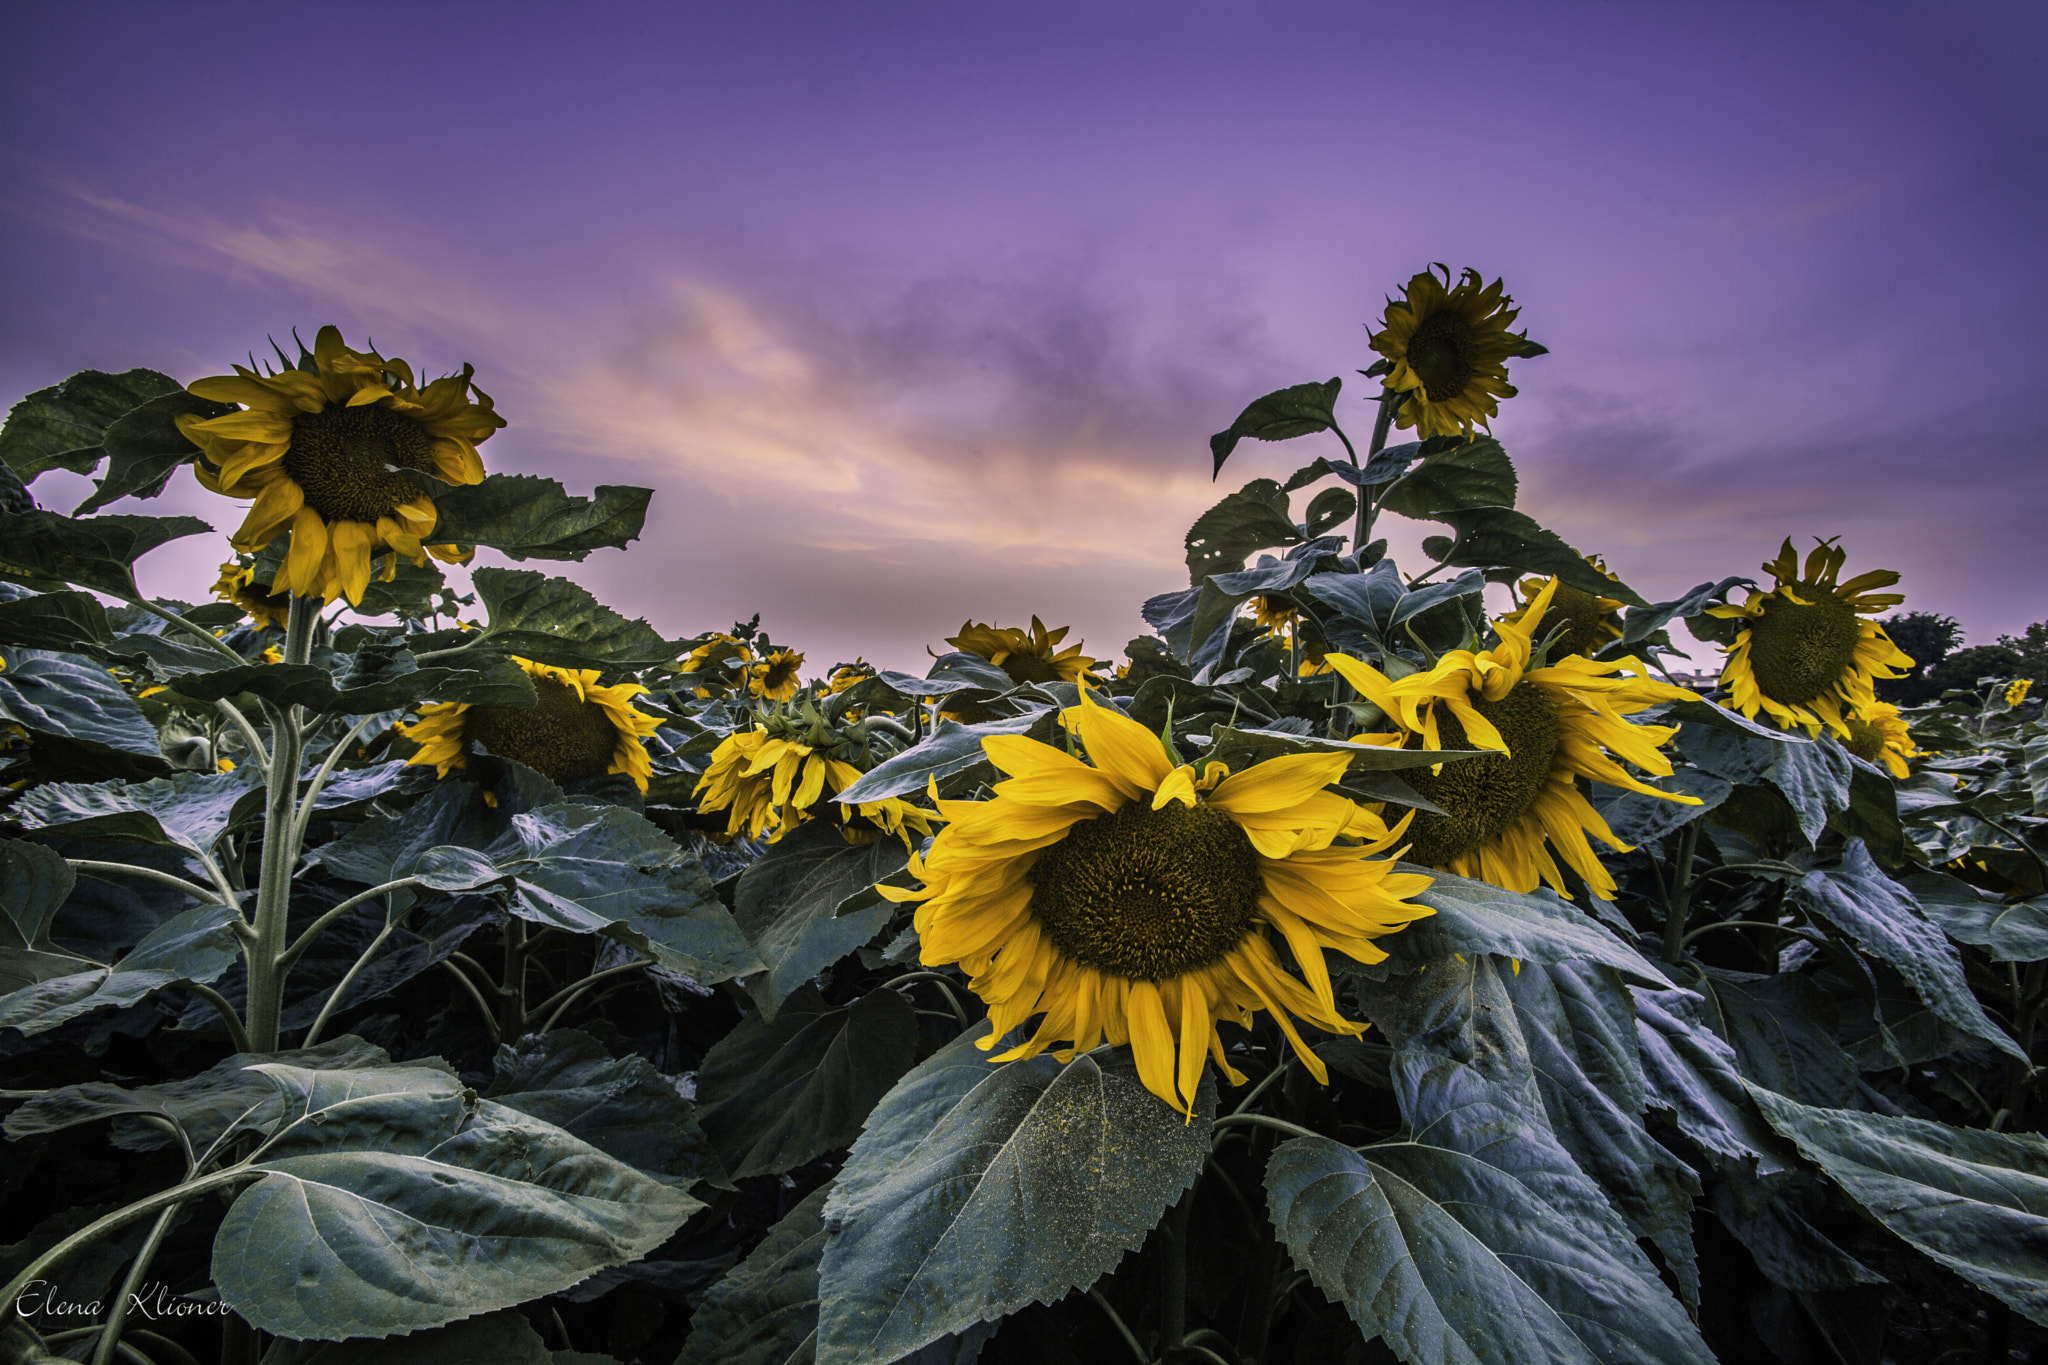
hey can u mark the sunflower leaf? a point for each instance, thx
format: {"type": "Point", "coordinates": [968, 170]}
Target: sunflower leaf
{"type": "Point", "coordinates": [1638, 819]}
{"type": "Point", "coordinates": [978, 1189]}
{"type": "Point", "coordinates": [527, 517]}
{"type": "Point", "coordinates": [1469, 474]}
{"type": "Point", "coordinates": [1477, 917]}
{"type": "Point", "coordinates": [92, 552]}
{"type": "Point", "coordinates": [620, 1105]}
{"type": "Point", "coordinates": [1502, 538]}
{"type": "Point", "coordinates": [501, 1338]}
{"type": "Point", "coordinates": [475, 1207]}
{"type": "Point", "coordinates": [197, 945]}
{"type": "Point", "coordinates": [1692, 1075]}
{"type": "Point", "coordinates": [1782, 1029]}
{"type": "Point", "coordinates": [2008, 932]}
{"type": "Point", "coordinates": [62, 621]}
{"type": "Point", "coordinates": [144, 448]}
{"type": "Point", "coordinates": [554, 621]}
{"type": "Point", "coordinates": [1975, 1201]}
{"type": "Point", "coordinates": [808, 901]}
{"type": "Point", "coordinates": [61, 427]}
{"type": "Point", "coordinates": [34, 884]}
{"type": "Point", "coordinates": [778, 1094]}
{"type": "Point", "coordinates": [79, 706]}
{"type": "Point", "coordinates": [1455, 1262]}
{"type": "Point", "coordinates": [952, 748]}
{"type": "Point", "coordinates": [1327, 509]}
{"type": "Point", "coordinates": [1298, 410]}
{"type": "Point", "coordinates": [765, 1310]}
{"type": "Point", "coordinates": [1642, 622]}
{"type": "Point", "coordinates": [1255, 517]}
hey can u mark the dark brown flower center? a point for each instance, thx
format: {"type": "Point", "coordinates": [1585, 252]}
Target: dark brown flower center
{"type": "Point", "coordinates": [1798, 650]}
{"type": "Point", "coordinates": [346, 460]}
{"type": "Point", "coordinates": [1030, 668]}
{"type": "Point", "coordinates": [561, 736]}
{"type": "Point", "coordinates": [1444, 354]}
{"type": "Point", "coordinates": [1485, 796]}
{"type": "Point", "coordinates": [1149, 894]}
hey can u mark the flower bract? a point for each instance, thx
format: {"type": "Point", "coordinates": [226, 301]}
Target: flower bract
{"type": "Point", "coordinates": [576, 729]}
{"type": "Point", "coordinates": [1509, 818]}
{"type": "Point", "coordinates": [1448, 347]}
{"type": "Point", "coordinates": [1805, 656]}
{"type": "Point", "coordinates": [1129, 898]}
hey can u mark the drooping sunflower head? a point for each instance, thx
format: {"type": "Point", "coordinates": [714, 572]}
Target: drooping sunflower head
{"type": "Point", "coordinates": [775, 677]}
{"type": "Point", "coordinates": [237, 584]}
{"type": "Point", "coordinates": [325, 450]}
{"type": "Point", "coordinates": [1508, 818]}
{"type": "Point", "coordinates": [1275, 613]}
{"type": "Point", "coordinates": [1132, 898]}
{"type": "Point", "coordinates": [1447, 349]}
{"type": "Point", "coordinates": [1028, 656]}
{"type": "Point", "coordinates": [845, 676]}
{"type": "Point", "coordinates": [1589, 621]}
{"type": "Point", "coordinates": [2016, 693]}
{"type": "Point", "coordinates": [1878, 734]}
{"type": "Point", "coordinates": [1805, 654]}
{"type": "Point", "coordinates": [575, 729]}
{"type": "Point", "coordinates": [771, 781]}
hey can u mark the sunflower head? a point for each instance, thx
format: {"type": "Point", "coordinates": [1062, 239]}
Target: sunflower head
{"type": "Point", "coordinates": [1589, 622]}
{"type": "Point", "coordinates": [1804, 653]}
{"type": "Point", "coordinates": [575, 729]}
{"type": "Point", "coordinates": [1878, 734]}
{"type": "Point", "coordinates": [1510, 816]}
{"type": "Point", "coordinates": [775, 678]}
{"type": "Point", "coordinates": [237, 584]}
{"type": "Point", "coordinates": [845, 676]}
{"type": "Point", "coordinates": [1028, 656]}
{"type": "Point", "coordinates": [2016, 693]}
{"type": "Point", "coordinates": [1131, 897]}
{"type": "Point", "coordinates": [1446, 348]}
{"type": "Point", "coordinates": [784, 772]}
{"type": "Point", "coordinates": [325, 449]}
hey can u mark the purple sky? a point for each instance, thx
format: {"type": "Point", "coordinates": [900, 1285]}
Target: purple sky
{"type": "Point", "coordinates": [916, 312]}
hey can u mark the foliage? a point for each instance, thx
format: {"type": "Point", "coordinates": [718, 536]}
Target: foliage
{"type": "Point", "coordinates": [312, 1056]}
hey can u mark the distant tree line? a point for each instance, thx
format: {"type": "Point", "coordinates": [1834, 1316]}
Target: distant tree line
{"type": "Point", "coordinates": [1939, 666]}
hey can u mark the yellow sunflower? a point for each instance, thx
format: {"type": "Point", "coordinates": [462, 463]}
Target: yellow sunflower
{"type": "Point", "coordinates": [1805, 656]}
{"type": "Point", "coordinates": [1448, 347]}
{"type": "Point", "coordinates": [1590, 622]}
{"type": "Point", "coordinates": [708, 658]}
{"type": "Point", "coordinates": [775, 677]}
{"type": "Point", "coordinates": [575, 729]}
{"type": "Point", "coordinates": [2014, 694]}
{"type": "Point", "coordinates": [772, 785]}
{"type": "Point", "coordinates": [846, 675]}
{"type": "Point", "coordinates": [1877, 734]}
{"type": "Point", "coordinates": [322, 455]}
{"type": "Point", "coordinates": [237, 584]}
{"type": "Point", "coordinates": [1129, 898]}
{"type": "Point", "coordinates": [1027, 656]}
{"type": "Point", "coordinates": [1506, 816]}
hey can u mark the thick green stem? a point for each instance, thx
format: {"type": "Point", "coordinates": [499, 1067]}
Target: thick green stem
{"type": "Point", "coordinates": [1678, 904]}
{"type": "Point", "coordinates": [266, 955]}
{"type": "Point", "coordinates": [319, 781]}
{"type": "Point", "coordinates": [512, 998]}
{"type": "Point", "coordinates": [258, 754]}
{"type": "Point", "coordinates": [1173, 1275]}
{"type": "Point", "coordinates": [110, 1335]}
{"type": "Point", "coordinates": [1361, 535]}
{"type": "Point", "coordinates": [340, 991]}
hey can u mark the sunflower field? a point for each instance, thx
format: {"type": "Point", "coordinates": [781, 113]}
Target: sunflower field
{"type": "Point", "coordinates": [406, 968]}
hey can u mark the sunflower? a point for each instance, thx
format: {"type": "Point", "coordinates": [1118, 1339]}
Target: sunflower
{"type": "Point", "coordinates": [1027, 656]}
{"type": "Point", "coordinates": [1446, 347]}
{"type": "Point", "coordinates": [1878, 735]}
{"type": "Point", "coordinates": [1129, 898]}
{"type": "Point", "coordinates": [1504, 817]}
{"type": "Point", "coordinates": [846, 675]}
{"type": "Point", "coordinates": [575, 729]}
{"type": "Point", "coordinates": [707, 660]}
{"type": "Point", "coordinates": [2014, 694]}
{"type": "Point", "coordinates": [324, 454]}
{"type": "Point", "coordinates": [775, 677]}
{"type": "Point", "coordinates": [1804, 655]}
{"type": "Point", "coordinates": [237, 584]}
{"type": "Point", "coordinates": [771, 785]}
{"type": "Point", "coordinates": [1590, 622]}
{"type": "Point", "coordinates": [1275, 613]}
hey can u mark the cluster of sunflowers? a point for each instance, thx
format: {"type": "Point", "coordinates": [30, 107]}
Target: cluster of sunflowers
{"type": "Point", "coordinates": [1107, 884]}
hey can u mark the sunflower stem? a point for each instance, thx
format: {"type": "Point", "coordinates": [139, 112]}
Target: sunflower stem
{"type": "Point", "coordinates": [1123, 1328]}
{"type": "Point", "coordinates": [1361, 534]}
{"type": "Point", "coordinates": [265, 954]}
{"type": "Point", "coordinates": [1173, 1274]}
{"type": "Point", "coordinates": [512, 1000]}
{"type": "Point", "coordinates": [257, 753]}
{"type": "Point", "coordinates": [1679, 902]}
{"type": "Point", "coordinates": [110, 1335]}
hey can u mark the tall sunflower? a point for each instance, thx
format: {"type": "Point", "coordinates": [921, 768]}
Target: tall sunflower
{"type": "Point", "coordinates": [1506, 817]}
{"type": "Point", "coordinates": [322, 453]}
{"type": "Point", "coordinates": [771, 785]}
{"type": "Point", "coordinates": [1878, 734]}
{"type": "Point", "coordinates": [1031, 656]}
{"type": "Point", "coordinates": [709, 660]}
{"type": "Point", "coordinates": [1447, 348]}
{"type": "Point", "coordinates": [574, 730]}
{"type": "Point", "coordinates": [1590, 622]}
{"type": "Point", "coordinates": [1129, 898]}
{"type": "Point", "coordinates": [774, 678]}
{"type": "Point", "coordinates": [1804, 654]}
{"type": "Point", "coordinates": [237, 584]}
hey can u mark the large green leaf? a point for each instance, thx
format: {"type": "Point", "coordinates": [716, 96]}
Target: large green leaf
{"type": "Point", "coordinates": [952, 748]}
{"type": "Point", "coordinates": [1812, 776]}
{"type": "Point", "coordinates": [60, 427]}
{"type": "Point", "coordinates": [1692, 1076]}
{"type": "Point", "coordinates": [376, 679]}
{"type": "Point", "coordinates": [776, 1094]}
{"type": "Point", "coordinates": [620, 1105]}
{"type": "Point", "coordinates": [1638, 819]}
{"type": "Point", "coordinates": [144, 448]}
{"type": "Point", "coordinates": [79, 704]}
{"type": "Point", "coordinates": [92, 552]}
{"type": "Point", "coordinates": [1500, 537]}
{"type": "Point", "coordinates": [54, 620]}
{"type": "Point", "coordinates": [197, 945]}
{"type": "Point", "coordinates": [765, 1310]}
{"type": "Point", "coordinates": [1478, 917]}
{"type": "Point", "coordinates": [1454, 1262]}
{"type": "Point", "coordinates": [978, 1189]}
{"type": "Point", "coordinates": [553, 621]}
{"type": "Point", "coordinates": [2010, 931]}
{"type": "Point", "coordinates": [501, 1338]}
{"type": "Point", "coordinates": [1475, 473]}
{"type": "Point", "coordinates": [394, 1199]}
{"type": "Point", "coordinates": [1884, 920]}
{"type": "Point", "coordinates": [525, 517]}
{"type": "Point", "coordinates": [1298, 410]}
{"type": "Point", "coordinates": [1781, 1027]}
{"type": "Point", "coordinates": [34, 884]}
{"type": "Point", "coordinates": [809, 901]}
{"type": "Point", "coordinates": [1975, 1201]}
{"type": "Point", "coordinates": [184, 810]}
{"type": "Point", "coordinates": [1253, 518]}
